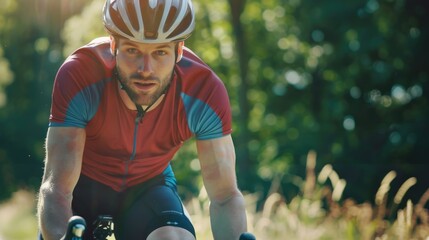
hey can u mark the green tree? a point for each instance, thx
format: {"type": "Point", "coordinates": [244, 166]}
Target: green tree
{"type": "Point", "coordinates": [347, 79]}
{"type": "Point", "coordinates": [31, 53]}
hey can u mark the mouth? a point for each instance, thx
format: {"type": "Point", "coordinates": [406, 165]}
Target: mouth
{"type": "Point", "coordinates": [144, 86]}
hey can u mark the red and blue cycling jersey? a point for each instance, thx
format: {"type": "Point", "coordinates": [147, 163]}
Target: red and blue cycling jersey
{"type": "Point", "coordinates": [119, 151]}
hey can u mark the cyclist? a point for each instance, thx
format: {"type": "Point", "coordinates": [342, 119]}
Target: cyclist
{"type": "Point", "coordinates": [121, 107]}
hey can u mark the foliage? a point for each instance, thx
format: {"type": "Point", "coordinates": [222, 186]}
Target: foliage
{"type": "Point", "coordinates": [6, 79]}
{"type": "Point", "coordinates": [17, 218]}
{"type": "Point", "coordinates": [328, 76]}
{"type": "Point", "coordinates": [83, 28]}
{"type": "Point", "coordinates": [319, 211]}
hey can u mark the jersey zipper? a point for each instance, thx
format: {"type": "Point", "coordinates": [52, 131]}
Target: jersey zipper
{"type": "Point", "coordinates": [139, 119]}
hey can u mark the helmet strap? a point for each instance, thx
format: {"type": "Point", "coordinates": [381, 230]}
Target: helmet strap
{"type": "Point", "coordinates": [140, 110]}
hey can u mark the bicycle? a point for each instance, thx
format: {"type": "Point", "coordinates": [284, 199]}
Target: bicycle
{"type": "Point", "coordinates": [77, 226]}
{"type": "Point", "coordinates": [104, 228]}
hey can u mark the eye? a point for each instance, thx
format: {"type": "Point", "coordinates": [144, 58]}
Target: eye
{"type": "Point", "coordinates": [160, 52]}
{"type": "Point", "coordinates": [131, 50]}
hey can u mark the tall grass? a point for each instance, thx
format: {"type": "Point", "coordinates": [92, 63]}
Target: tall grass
{"type": "Point", "coordinates": [17, 217]}
{"type": "Point", "coordinates": [317, 212]}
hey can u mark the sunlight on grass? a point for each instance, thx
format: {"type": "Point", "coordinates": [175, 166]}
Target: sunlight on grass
{"type": "Point", "coordinates": [317, 213]}
{"type": "Point", "coordinates": [17, 217]}
{"type": "Point", "coordinates": [320, 213]}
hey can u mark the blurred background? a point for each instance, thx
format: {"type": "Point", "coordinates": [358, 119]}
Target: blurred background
{"type": "Point", "coordinates": [314, 85]}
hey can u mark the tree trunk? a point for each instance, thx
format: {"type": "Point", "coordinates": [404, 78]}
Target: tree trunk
{"type": "Point", "coordinates": [243, 156]}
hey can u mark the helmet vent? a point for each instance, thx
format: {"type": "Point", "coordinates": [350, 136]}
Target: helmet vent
{"type": "Point", "coordinates": [150, 21]}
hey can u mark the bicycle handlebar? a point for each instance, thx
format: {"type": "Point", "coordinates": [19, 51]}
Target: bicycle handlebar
{"type": "Point", "coordinates": [77, 225]}
{"type": "Point", "coordinates": [247, 236]}
{"type": "Point", "coordinates": [75, 229]}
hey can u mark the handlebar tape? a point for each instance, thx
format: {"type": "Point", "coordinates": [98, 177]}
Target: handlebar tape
{"type": "Point", "coordinates": [75, 229]}
{"type": "Point", "coordinates": [247, 236]}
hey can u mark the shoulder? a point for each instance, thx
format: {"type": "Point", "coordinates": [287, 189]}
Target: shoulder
{"type": "Point", "coordinates": [80, 84]}
{"type": "Point", "coordinates": [99, 49]}
{"type": "Point", "coordinates": [196, 77]}
{"type": "Point", "coordinates": [204, 97]}
{"type": "Point", "coordinates": [88, 64]}
{"type": "Point", "coordinates": [94, 54]}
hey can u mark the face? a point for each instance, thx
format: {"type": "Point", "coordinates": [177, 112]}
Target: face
{"type": "Point", "coordinates": [145, 69]}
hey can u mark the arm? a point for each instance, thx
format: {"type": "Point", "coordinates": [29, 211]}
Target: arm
{"type": "Point", "coordinates": [64, 150]}
{"type": "Point", "coordinates": [227, 210]}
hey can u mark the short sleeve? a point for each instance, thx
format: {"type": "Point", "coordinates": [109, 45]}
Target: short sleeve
{"type": "Point", "coordinates": [208, 110]}
{"type": "Point", "coordinates": [76, 92]}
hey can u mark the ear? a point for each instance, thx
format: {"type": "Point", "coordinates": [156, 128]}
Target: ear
{"type": "Point", "coordinates": [180, 46]}
{"type": "Point", "coordinates": [113, 45]}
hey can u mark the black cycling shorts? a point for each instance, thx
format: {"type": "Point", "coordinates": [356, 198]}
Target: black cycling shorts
{"type": "Point", "coordinates": [136, 212]}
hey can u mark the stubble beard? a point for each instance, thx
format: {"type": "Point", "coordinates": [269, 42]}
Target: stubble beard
{"type": "Point", "coordinates": [141, 98]}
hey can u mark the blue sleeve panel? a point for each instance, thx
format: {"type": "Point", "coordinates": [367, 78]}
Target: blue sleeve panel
{"type": "Point", "coordinates": [202, 119]}
{"type": "Point", "coordinates": [83, 106]}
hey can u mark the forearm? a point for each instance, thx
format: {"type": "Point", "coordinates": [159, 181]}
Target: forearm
{"type": "Point", "coordinates": [64, 151]}
{"type": "Point", "coordinates": [54, 210]}
{"type": "Point", "coordinates": [228, 219]}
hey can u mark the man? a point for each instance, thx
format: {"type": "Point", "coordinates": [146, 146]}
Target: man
{"type": "Point", "coordinates": [121, 108]}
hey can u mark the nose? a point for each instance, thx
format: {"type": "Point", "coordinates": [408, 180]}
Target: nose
{"type": "Point", "coordinates": [145, 65]}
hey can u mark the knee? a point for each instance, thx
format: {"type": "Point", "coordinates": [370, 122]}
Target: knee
{"type": "Point", "coordinates": [170, 233]}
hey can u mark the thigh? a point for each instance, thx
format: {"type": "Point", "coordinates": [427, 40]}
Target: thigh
{"type": "Point", "coordinates": [92, 199]}
{"type": "Point", "coordinates": [156, 207]}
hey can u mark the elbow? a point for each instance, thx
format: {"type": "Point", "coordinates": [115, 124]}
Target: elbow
{"type": "Point", "coordinates": [223, 197]}
{"type": "Point", "coordinates": [45, 189]}
{"type": "Point", "coordinates": [54, 192]}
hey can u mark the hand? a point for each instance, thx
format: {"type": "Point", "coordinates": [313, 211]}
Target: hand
{"type": "Point", "coordinates": [75, 229]}
{"type": "Point", "coordinates": [247, 236]}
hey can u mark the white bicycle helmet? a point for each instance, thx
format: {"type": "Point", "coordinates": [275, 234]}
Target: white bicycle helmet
{"type": "Point", "coordinates": [150, 21]}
